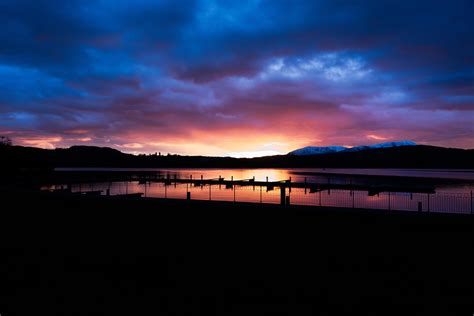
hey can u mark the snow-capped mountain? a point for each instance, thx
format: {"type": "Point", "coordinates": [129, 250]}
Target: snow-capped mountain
{"type": "Point", "coordinates": [383, 145]}
{"type": "Point", "coordinates": [315, 150]}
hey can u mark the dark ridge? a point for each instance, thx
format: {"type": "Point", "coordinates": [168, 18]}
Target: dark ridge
{"type": "Point", "coordinates": [420, 156]}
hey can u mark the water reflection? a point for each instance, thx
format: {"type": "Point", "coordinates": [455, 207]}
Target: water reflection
{"type": "Point", "coordinates": [443, 180]}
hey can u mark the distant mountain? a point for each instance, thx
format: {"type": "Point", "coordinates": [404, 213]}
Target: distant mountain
{"type": "Point", "coordinates": [314, 150]}
{"type": "Point", "coordinates": [383, 145]}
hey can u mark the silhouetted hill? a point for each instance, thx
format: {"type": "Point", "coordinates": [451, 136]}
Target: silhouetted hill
{"type": "Point", "coordinates": [420, 156]}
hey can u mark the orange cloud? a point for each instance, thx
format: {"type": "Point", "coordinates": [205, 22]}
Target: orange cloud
{"type": "Point", "coordinates": [375, 137]}
{"type": "Point", "coordinates": [130, 146]}
{"type": "Point", "coordinates": [41, 142]}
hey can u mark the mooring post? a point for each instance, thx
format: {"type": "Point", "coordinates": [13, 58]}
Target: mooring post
{"type": "Point", "coordinates": [471, 203]}
{"type": "Point", "coordinates": [108, 192]}
{"type": "Point", "coordinates": [282, 194]}
{"type": "Point", "coordinates": [305, 185]}
{"type": "Point", "coordinates": [166, 195]}
{"type": "Point", "coordinates": [267, 178]}
{"type": "Point", "coordinates": [260, 194]}
{"type": "Point", "coordinates": [319, 196]}
{"type": "Point", "coordinates": [188, 195]}
{"type": "Point", "coordinates": [210, 185]}
{"type": "Point", "coordinates": [420, 207]}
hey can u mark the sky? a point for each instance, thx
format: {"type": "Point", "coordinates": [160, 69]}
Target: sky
{"type": "Point", "coordinates": [239, 78]}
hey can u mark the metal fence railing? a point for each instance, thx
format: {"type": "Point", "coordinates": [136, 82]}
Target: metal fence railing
{"type": "Point", "coordinates": [402, 201]}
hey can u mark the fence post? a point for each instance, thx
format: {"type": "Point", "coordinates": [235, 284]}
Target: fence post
{"type": "Point", "coordinates": [471, 202]}
{"type": "Point", "coordinates": [353, 201]}
{"type": "Point", "coordinates": [428, 202]}
{"type": "Point", "coordinates": [389, 201]}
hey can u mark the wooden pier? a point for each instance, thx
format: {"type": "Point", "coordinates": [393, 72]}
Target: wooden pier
{"type": "Point", "coordinates": [284, 184]}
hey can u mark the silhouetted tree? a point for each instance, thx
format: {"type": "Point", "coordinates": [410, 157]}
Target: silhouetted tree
{"type": "Point", "coordinates": [5, 141]}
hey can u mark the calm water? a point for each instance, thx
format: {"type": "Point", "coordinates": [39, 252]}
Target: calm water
{"type": "Point", "coordinates": [453, 187]}
{"type": "Point", "coordinates": [444, 180]}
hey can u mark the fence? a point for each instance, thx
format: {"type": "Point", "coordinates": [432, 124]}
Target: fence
{"type": "Point", "coordinates": [402, 201]}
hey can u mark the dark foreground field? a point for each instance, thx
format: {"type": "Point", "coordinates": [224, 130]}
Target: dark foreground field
{"type": "Point", "coordinates": [99, 256]}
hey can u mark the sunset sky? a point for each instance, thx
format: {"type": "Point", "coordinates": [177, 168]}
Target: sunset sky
{"type": "Point", "coordinates": [240, 78]}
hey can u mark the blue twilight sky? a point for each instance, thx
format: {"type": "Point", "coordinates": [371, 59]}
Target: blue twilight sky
{"type": "Point", "coordinates": [240, 78]}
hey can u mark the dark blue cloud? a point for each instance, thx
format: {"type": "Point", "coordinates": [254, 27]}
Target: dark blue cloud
{"type": "Point", "coordinates": [117, 67]}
